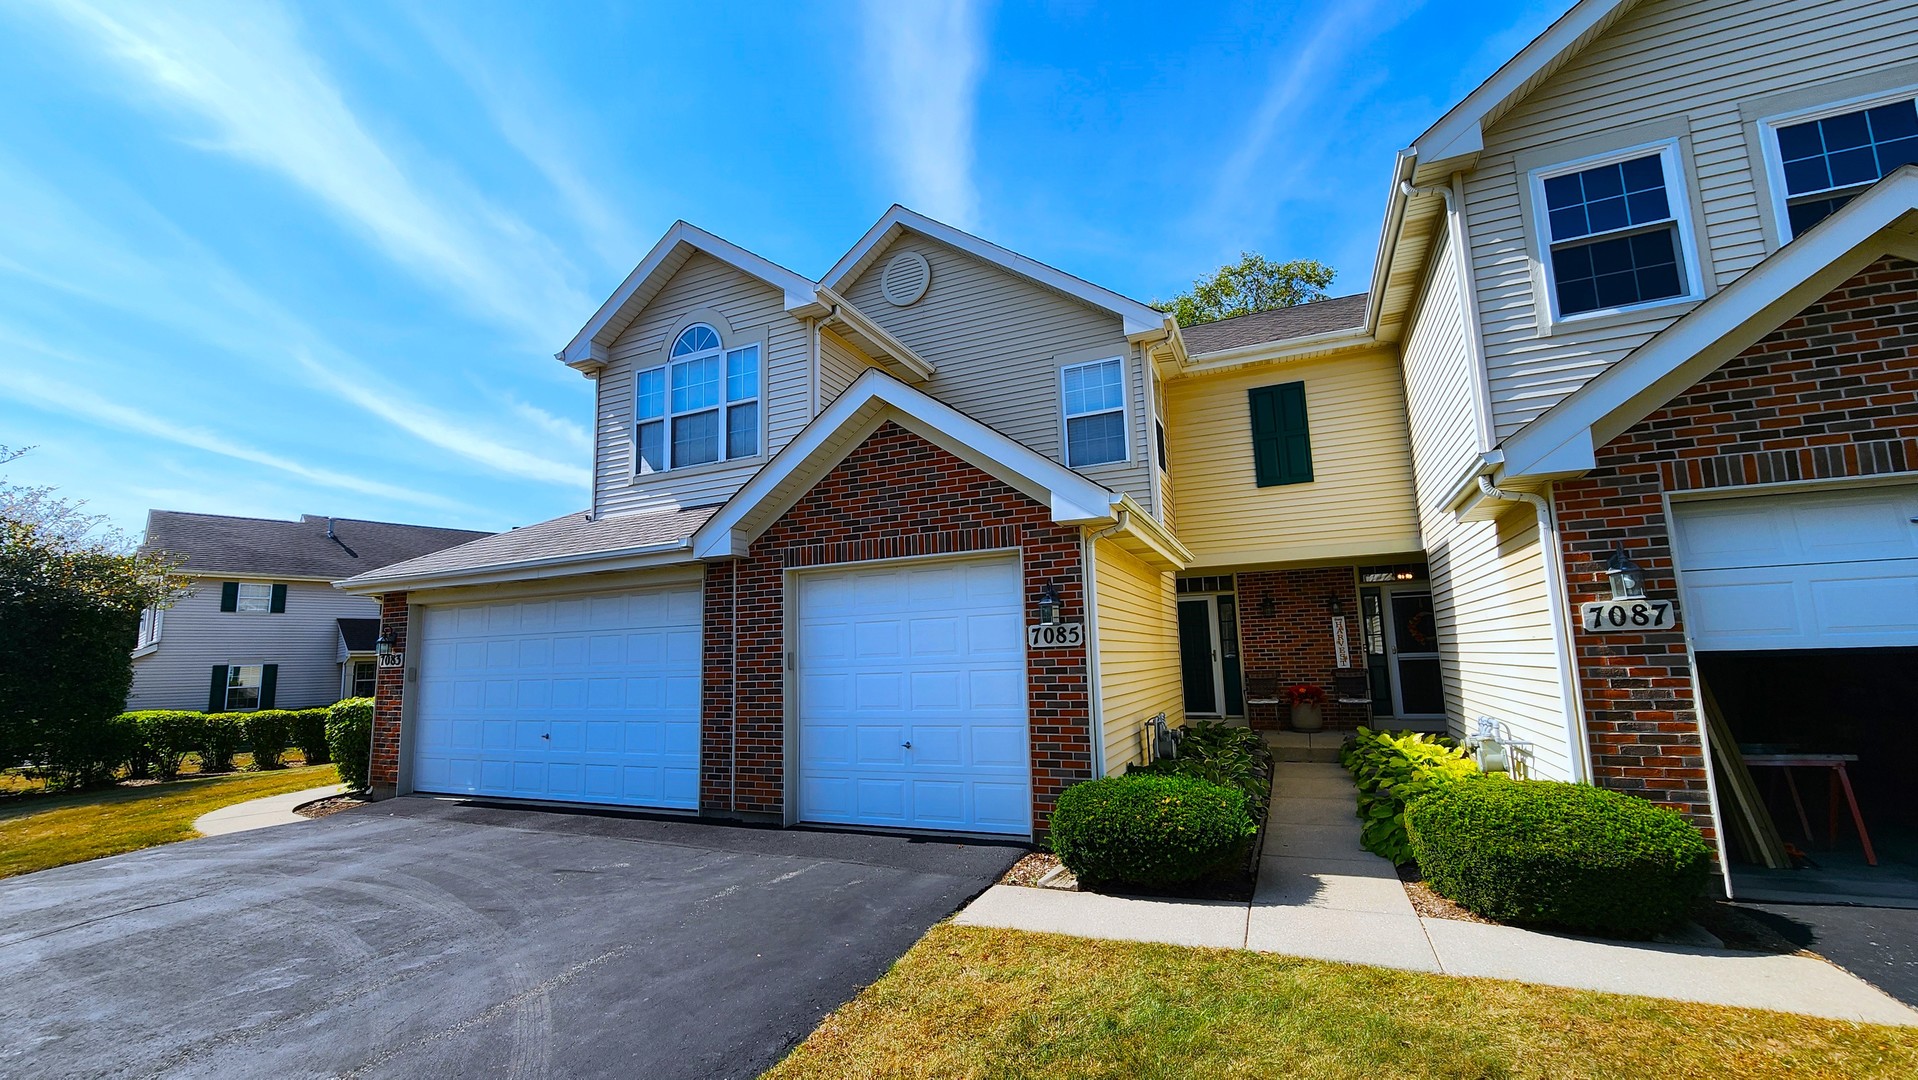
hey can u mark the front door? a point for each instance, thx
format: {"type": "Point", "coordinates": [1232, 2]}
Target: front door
{"type": "Point", "coordinates": [1209, 655]}
{"type": "Point", "coordinates": [1413, 641]}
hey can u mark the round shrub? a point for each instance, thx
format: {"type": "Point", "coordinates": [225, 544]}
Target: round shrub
{"type": "Point", "coordinates": [1573, 856]}
{"type": "Point", "coordinates": [220, 736]}
{"type": "Point", "coordinates": [166, 737]}
{"type": "Point", "coordinates": [1144, 829]}
{"type": "Point", "coordinates": [309, 734]}
{"type": "Point", "coordinates": [349, 738]}
{"type": "Point", "coordinates": [267, 732]}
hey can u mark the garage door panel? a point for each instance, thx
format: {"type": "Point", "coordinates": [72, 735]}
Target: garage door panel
{"type": "Point", "coordinates": [500, 715]}
{"type": "Point", "coordinates": [935, 637]}
{"type": "Point", "coordinates": [879, 690]}
{"type": "Point", "coordinates": [995, 636]}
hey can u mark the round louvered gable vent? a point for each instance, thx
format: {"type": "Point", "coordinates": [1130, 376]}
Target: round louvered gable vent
{"type": "Point", "coordinates": [905, 279]}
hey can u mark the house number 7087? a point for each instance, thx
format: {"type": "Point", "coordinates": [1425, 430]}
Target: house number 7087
{"type": "Point", "coordinates": [1625, 615]}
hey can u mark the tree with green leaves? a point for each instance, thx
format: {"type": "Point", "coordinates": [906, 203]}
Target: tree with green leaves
{"type": "Point", "coordinates": [71, 594]}
{"type": "Point", "coordinates": [1254, 283]}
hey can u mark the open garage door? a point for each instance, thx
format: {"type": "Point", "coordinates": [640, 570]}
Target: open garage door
{"type": "Point", "coordinates": [591, 699]}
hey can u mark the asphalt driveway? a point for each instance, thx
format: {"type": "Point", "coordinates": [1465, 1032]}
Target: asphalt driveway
{"type": "Point", "coordinates": [423, 939]}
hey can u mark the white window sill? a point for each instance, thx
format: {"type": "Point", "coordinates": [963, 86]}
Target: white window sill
{"type": "Point", "coordinates": [146, 650]}
{"type": "Point", "coordinates": [1607, 318]}
{"type": "Point", "coordinates": [696, 470]}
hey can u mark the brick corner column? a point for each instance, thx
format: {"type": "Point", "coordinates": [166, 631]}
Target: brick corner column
{"type": "Point", "coordinates": [389, 690]}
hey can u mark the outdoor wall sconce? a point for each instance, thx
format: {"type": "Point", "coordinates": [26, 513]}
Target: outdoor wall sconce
{"type": "Point", "coordinates": [1268, 607]}
{"type": "Point", "coordinates": [1335, 605]}
{"type": "Point", "coordinates": [1049, 605]}
{"type": "Point", "coordinates": [384, 646]}
{"type": "Point", "coordinates": [1626, 576]}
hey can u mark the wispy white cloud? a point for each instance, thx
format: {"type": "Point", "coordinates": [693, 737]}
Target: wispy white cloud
{"type": "Point", "coordinates": [72, 399]}
{"type": "Point", "coordinates": [268, 100]}
{"type": "Point", "coordinates": [923, 61]}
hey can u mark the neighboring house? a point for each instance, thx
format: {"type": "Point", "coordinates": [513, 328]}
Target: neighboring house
{"type": "Point", "coordinates": [832, 520]}
{"type": "Point", "coordinates": [262, 627]}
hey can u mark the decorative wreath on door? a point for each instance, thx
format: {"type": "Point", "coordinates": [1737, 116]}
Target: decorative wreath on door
{"type": "Point", "coordinates": [1421, 628]}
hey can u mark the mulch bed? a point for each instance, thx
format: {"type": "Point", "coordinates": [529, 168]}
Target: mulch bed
{"type": "Point", "coordinates": [1430, 904]}
{"type": "Point", "coordinates": [330, 806]}
{"type": "Point", "coordinates": [1029, 870]}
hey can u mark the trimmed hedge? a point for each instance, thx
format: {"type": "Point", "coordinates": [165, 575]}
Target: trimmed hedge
{"type": "Point", "coordinates": [349, 737]}
{"type": "Point", "coordinates": [220, 737]}
{"type": "Point", "coordinates": [166, 737]}
{"type": "Point", "coordinates": [1219, 753]}
{"type": "Point", "coordinates": [309, 734]}
{"type": "Point", "coordinates": [1545, 853]}
{"type": "Point", "coordinates": [1141, 829]}
{"type": "Point", "coordinates": [267, 731]}
{"type": "Point", "coordinates": [1393, 772]}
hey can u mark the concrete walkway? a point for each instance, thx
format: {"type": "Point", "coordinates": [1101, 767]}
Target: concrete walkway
{"type": "Point", "coordinates": [1323, 896]}
{"type": "Point", "coordinates": [261, 813]}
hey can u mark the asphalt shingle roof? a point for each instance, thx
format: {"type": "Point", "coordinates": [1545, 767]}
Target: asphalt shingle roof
{"type": "Point", "coordinates": [1279, 324]}
{"type": "Point", "coordinates": [574, 534]}
{"type": "Point", "coordinates": [216, 544]}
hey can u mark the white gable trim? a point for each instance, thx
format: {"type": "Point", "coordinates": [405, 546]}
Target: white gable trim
{"type": "Point", "coordinates": [1461, 131]}
{"type": "Point", "coordinates": [1873, 225]}
{"type": "Point", "coordinates": [874, 398]}
{"type": "Point", "coordinates": [589, 348]}
{"type": "Point", "coordinates": [1141, 320]}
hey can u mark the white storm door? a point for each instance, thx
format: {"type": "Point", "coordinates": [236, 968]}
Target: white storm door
{"type": "Point", "coordinates": [1818, 570]}
{"type": "Point", "coordinates": [591, 699]}
{"type": "Point", "coordinates": [910, 696]}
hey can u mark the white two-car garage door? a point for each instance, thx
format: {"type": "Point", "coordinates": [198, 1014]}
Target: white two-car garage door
{"type": "Point", "coordinates": [1823, 570]}
{"type": "Point", "coordinates": [911, 696]}
{"type": "Point", "coordinates": [589, 699]}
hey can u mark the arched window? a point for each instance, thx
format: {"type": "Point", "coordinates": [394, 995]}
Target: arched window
{"type": "Point", "coordinates": [701, 405]}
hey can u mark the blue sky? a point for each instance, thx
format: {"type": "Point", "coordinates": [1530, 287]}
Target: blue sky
{"type": "Point", "coordinates": [270, 259]}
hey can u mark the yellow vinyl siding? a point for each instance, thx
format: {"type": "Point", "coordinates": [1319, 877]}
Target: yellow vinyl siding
{"type": "Point", "coordinates": [1360, 499]}
{"type": "Point", "coordinates": [1667, 69]}
{"type": "Point", "coordinates": [1138, 651]}
{"type": "Point", "coordinates": [994, 340]}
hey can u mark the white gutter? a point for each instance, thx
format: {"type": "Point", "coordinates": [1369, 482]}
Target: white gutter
{"type": "Point", "coordinates": [636, 558]}
{"type": "Point", "coordinates": [1283, 349]}
{"type": "Point", "coordinates": [1454, 192]}
{"type": "Point", "coordinates": [1402, 169]}
{"type": "Point", "coordinates": [1577, 741]}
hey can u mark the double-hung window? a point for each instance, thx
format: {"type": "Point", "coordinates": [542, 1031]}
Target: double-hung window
{"type": "Point", "coordinates": [1094, 398]}
{"type": "Point", "coordinates": [243, 686]}
{"type": "Point", "coordinates": [254, 596]}
{"type": "Point", "coordinates": [1615, 231]}
{"type": "Point", "coordinates": [702, 405]}
{"type": "Point", "coordinates": [1823, 162]}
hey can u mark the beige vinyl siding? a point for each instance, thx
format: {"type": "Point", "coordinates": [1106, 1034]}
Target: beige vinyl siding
{"type": "Point", "coordinates": [1667, 69]}
{"type": "Point", "coordinates": [994, 339]}
{"type": "Point", "coordinates": [752, 311]}
{"type": "Point", "coordinates": [195, 634]}
{"type": "Point", "coordinates": [838, 367]}
{"type": "Point", "coordinates": [1488, 578]}
{"type": "Point", "coordinates": [1360, 500]}
{"type": "Point", "coordinates": [1138, 651]}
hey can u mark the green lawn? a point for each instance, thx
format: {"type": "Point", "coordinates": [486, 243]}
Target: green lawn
{"type": "Point", "coordinates": [40, 831]}
{"type": "Point", "coordinates": [968, 1002]}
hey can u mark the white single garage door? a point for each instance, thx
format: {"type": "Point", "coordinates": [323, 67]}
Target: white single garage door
{"type": "Point", "coordinates": [1825, 570]}
{"type": "Point", "coordinates": [591, 699]}
{"type": "Point", "coordinates": [911, 696]}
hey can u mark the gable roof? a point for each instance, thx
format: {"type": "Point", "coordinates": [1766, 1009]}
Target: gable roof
{"type": "Point", "coordinates": [359, 635]}
{"type": "Point", "coordinates": [573, 544]}
{"type": "Point", "coordinates": [876, 398]}
{"type": "Point", "coordinates": [1278, 324]}
{"type": "Point", "coordinates": [588, 350]}
{"type": "Point", "coordinates": [1140, 320]}
{"type": "Point", "coordinates": [266, 547]}
{"type": "Point", "coordinates": [1563, 440]}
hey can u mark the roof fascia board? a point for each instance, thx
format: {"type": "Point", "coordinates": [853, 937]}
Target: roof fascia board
{"type": "Point", "coordinates": [595, 562]}
{"type": "Point", "coordinates": [1720, 327]}
{"type": "Point", "coordinates": [912, 365]}
{"type": "Point", "coordinates": [590, 347]}
{"type": "Point", "coordinates": [873, 398]}
{"type": "Point", "coordinates": [1282, 349]}
{"type": "Point", "coordinates": [1164, 548]}
{"type": "Point", "coordinates": [1141, 321]}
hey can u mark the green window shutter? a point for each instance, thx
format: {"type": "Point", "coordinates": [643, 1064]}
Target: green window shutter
{"type": "Point", "coordinates": [229, 596]}
{"type": "Point", "coordinates": [278, 606]}
{"type": "Point", "coordinates": [216, 694]}
{"type": "Point", "coordinates": [269, 682]}
{"type": "Point", "coordinates": [1281, 438]}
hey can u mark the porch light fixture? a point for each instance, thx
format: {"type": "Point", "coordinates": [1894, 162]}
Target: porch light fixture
{"type": "Point", "coordinates": [383, 646]}
{"type": "Point", "coordinates": [1626, 576]}
{"type": "Point", "coordinates": [1268, 607]}
{"type": "Point", "coordinates": [1049, 605]}
{"type": "Point", "coordinates": [1335, 605]}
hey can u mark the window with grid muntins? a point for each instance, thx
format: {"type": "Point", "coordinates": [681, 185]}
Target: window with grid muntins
{"type": "Point", "coordinates": [1826, 162]}
{"type": "Point", "coordinates": [702, 405]}
{"type": "Point", "coordinates": [1614, 236]}
{"type": "Point", "coordinates": [1094, 399]}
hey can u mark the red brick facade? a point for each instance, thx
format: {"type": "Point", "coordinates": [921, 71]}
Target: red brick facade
{"type": "Point", "coordinates": [388, 687]}
{"type": "Point", "coordinates": [1832, 393]}
{"type": "Point", "coordinates": [896, 496]}
{"type": "Point", "coordinates": [1285, 628]}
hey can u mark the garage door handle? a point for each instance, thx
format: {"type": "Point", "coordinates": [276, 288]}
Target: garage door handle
{"type": "Point", "coordinates": [546, 736]}
{"type": "Point", "coordinates": [907, 745]}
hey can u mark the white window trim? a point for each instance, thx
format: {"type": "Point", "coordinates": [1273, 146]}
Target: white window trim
{"type": "Point", "coordinates": [1677, 198]}
{"type": "Point", "coordinates": [1775, 159]}
{"type": "Point", "coordinates": [239, 598]}
{"type": "Point", "coordinates": [154, 620]}
{"type": "Point", "coordinates": [666, 365]}
{"type": "Point", "coordinates": [226, 699]}
{"type": "Point", "coordinates": [1124, 410]}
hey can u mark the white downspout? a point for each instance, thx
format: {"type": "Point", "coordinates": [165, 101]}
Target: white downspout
{"type": "Point", "coordinates": [1577, 742]}
{"type": "Point", "coordinates": [1095, 705]}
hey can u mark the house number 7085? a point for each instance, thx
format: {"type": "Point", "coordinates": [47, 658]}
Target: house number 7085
{"type": "Point", "coordinates": [1064, 635]}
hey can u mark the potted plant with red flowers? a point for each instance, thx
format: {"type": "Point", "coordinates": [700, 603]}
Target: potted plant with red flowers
{"type": "Point", "coordinates": [1308, 699]}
